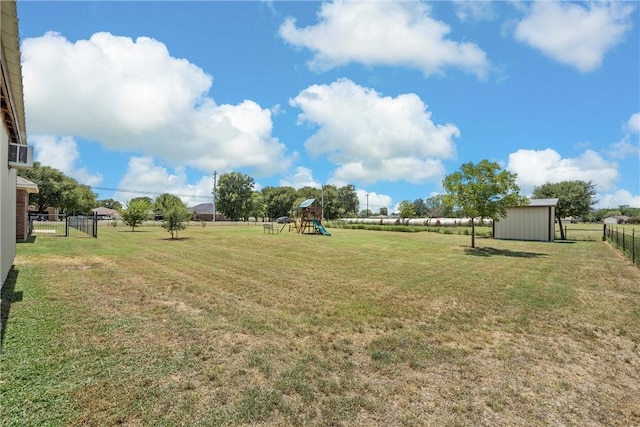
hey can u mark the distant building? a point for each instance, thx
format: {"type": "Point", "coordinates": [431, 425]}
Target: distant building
{"type": "Point", "coordinates": [105, 213]}
{"type": "Point", "coordinates": [616, 219]}
{"type": "Point", "coordinates": [204, 212]}
{"type": "Point", "coordinates": [535, 221]}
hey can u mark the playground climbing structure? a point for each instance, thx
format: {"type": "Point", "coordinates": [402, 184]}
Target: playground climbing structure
{"type": "Point", "coordinates": [311, 219]}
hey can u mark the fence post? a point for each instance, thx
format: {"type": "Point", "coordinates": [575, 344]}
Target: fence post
{"type": "Point", "coordinates": [623, 241]}
{"type": "Point", "coordinates": [604, 232]}
{"type": "Point", "coordinates": [633, 245]}
{"type": "Point", "coordinates": [66, 224]}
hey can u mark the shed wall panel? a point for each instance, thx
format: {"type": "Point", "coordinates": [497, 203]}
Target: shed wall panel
{"type": "Point", "coordinates": [527, 223]}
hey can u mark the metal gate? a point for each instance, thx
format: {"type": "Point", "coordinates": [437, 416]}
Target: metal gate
{"type": "Point", "coordinates": [63, 225]}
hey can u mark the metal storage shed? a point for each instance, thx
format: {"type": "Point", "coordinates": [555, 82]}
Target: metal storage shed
{"type": "Point", "coordinates": [535, 221]}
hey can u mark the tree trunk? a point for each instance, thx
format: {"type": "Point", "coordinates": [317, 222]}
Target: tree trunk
{"type": "Point", "coordinates": [562, 235]}
{"type": "Point", "coordinates": [473, 233]}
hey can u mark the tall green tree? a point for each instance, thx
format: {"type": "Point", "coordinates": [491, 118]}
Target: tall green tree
{"type": "Point", "coordinates": [575, 198]}
{"type": "Point", "coordinates": [307, 192]}
{"type": "Point", "coordinates": [482, 190]}
{"type": "Point", "coordinates": [110, 204]}
{"type": "Point", "coordinates": [329, 201]}
{"type": "Point", "coordinates": [420, 208]}
{"type": "Point", "coordinates": [437, 208]}
{"type": "Point", "coordinates": [135, 212]}
{"type": "Point", "coordinates": [174, 213]}
{"type": "Point", "coordinates": [77, 198]}
{"type": "Point", "coordinates": [406, 209]}
{"type": "Point", "coordinates": [278, 201]}
{"type": "Point", "coordinates": [234, 194]}
{"type": "Point", "coordinates": [348, 203]}
{"type": "Point", "coordinates": [258, 207]}
{"type": "Point", "coordinates": [57, 190]}
{"type": "Point", "coordinates": [148, 200]}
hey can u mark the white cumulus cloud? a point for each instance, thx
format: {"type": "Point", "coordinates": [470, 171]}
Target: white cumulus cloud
{"type": "Point", "coordinates": [143, 172]}
{"type": "Point", "coordinates": [629, 145]}
{"type": "Point", "coordinates": [473, 10]}
{"type": "Point", "coordinates": [302, 177]}
{"type": "Point", "coordinates": [618, 198]}
{"type": "Point", "coordinates": [374, 137]}
{"type": "Point", "coordinates": [132, 95]}
{"type": "Point", "coordinates": [633, 125]}
{"type": "Point", "coordinates": [537, 167]}
{"type": "Point", "coordinates": [383, 33]}
{"type": "Point", "coordinates": [578, 35]}
{"type": "Point", "coordinates": [375, 201]}
{"type": "Point", "coordinates": [62, 153]}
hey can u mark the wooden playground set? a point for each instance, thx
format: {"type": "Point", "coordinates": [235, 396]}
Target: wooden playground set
{"type": "Point", "coordinates": [310, 220]}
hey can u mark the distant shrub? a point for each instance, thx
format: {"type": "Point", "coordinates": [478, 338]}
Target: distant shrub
{"type": "Point", "coordinates": [634, 220]}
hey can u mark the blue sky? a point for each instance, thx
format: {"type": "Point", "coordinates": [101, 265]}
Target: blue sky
{"type": "Point", "coordinates": [155, 96]}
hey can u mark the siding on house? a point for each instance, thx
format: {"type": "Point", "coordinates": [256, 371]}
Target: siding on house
{"type": "Point", "coordinates": [534, 222]}
{"type": "Point", "coordinates": [13, 129]}
{"type": "Point", "coordinates": [7, 209]}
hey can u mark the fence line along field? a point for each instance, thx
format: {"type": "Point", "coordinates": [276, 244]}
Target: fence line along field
{"type": "Point", "coordinates": [233, 326]}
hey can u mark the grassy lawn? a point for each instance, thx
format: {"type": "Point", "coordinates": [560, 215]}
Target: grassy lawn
{"type": "Point", "coordinates": [230, 326]}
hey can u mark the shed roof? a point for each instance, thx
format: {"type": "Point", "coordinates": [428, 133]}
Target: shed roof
{"type": "Point", "coordinates": [543, 202]}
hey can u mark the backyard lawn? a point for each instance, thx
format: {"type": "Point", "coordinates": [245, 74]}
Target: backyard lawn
{"type": "Point", "coordinates": [231, 326]}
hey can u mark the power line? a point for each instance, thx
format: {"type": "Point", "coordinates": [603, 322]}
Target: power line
{"type": "Point", "coordinates": [155, 193]}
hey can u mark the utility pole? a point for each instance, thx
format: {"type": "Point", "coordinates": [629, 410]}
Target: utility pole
{"type": "Point", "coordinates": [215, 176]}
{"type": "Point", "coordinates": [322, 202]}
{"type": "Point", "coordinates": [367, 205]}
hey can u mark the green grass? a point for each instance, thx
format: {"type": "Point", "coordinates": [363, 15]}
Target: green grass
{"type": "Point", "coordinates": [230, 326]}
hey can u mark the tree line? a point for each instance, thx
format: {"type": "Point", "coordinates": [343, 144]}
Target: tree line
{"type": "Point", "coordinates": [236, 198]}
{"type": "Point", "coordinates": [476, 190]}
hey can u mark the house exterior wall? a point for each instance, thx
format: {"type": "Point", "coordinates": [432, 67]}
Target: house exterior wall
{"type": "Point", "coordinates": [7, 209]}
{"type": "Point", "coordinates": [535, 223]}
{"type": "Point", "coordinates": [13, 129]}
{"type": "Point", "coordinates": [22, 214]}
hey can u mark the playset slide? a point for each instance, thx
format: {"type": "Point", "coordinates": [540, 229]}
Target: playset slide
{"type": "Point", "coordinates": [320, 228]}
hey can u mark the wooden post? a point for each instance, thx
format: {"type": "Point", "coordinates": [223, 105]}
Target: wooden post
{"type": "Point", "coordinates": [633, 245]}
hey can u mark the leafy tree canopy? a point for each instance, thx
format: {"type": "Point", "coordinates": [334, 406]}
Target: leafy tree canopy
{"type": "Point", "coordinates": [110, 204]}
{"type": "Point", "coordinates": [174, 213]}
{"type": "Point", "coordinates": [166, 201]}
{"type": "Point", "coordinates": [420, 208]}
{"type": "Point", "coordinates": [437, 208]}
{"type": "Point", "coordinates": [278, 201]}
{"type": "Point", "coordinates": [576, 199]}
{"type": "Point", "coordinates": [234, 194]}
{"type": "Point", "coordinates": [347, 202]}
{"type": "Point", "coordinates": [482, 190]}
{"type": "Point", "coordinates": [57, 190]}
{"type": "Point", "coordinates": [406, 209]}
{"type": "Point", "coordinates": [135, 212]}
